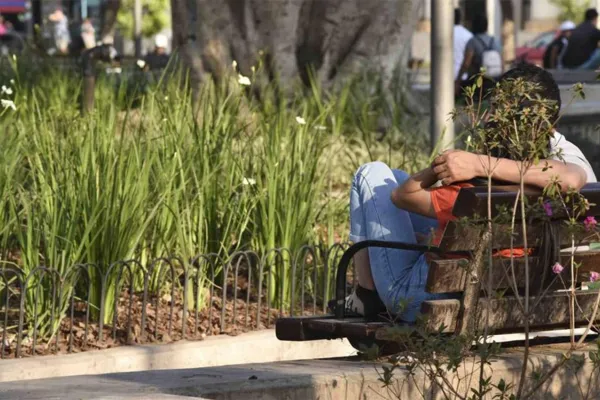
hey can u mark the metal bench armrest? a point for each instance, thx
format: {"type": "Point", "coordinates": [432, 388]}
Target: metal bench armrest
{"type": "Point", "coordinates": [342, 270]}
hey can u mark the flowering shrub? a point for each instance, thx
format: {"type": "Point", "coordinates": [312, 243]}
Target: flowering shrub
{"type": "Point", "coordinates": [519, 125]}
{"type": "Point", "coordinates": [557, 268]}
{"type": "Point", "coordinates": [590, 223]}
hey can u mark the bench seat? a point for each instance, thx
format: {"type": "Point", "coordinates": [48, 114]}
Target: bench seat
{"type": "Point", "coordinates": [458, 266]}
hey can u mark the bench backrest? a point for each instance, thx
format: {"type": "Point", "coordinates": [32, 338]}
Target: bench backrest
{"type": "Point", "coordinates": [507, 276]}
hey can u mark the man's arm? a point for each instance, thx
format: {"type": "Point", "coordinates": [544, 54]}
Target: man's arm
{"type": "Point", "coordinates": [413, 195]}
{"type": "Point", "coordinates": [457, 165]}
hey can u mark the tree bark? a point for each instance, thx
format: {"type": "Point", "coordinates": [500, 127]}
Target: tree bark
{"type": "Point", "coordinates": [335, 39]}
{"type": "Point", "coordinates": [109, 19]}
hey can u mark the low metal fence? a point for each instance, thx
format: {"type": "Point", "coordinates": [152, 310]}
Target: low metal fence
{"type": "Point", "coordinates": [160, 300]}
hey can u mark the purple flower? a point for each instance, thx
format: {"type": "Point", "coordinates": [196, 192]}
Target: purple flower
{"type": "Point", "coordinates": [590, 223]}
{"type": "Point", "coordinates": [548, 208]}
{"type": "Point", "coordinates": [594, 276]}
{"type": "Point", "coordinates": [557, 268]}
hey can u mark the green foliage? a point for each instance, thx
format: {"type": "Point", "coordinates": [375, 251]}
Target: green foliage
{"type": "Point", "coordinates": [158, 180]}
{"type": "Point", "coordinates": [156, 16]}
{"type": "Point", "coordinates": [571, 10]}
{"type": "Point", "coordinates": [519, 123]}
{"type": "Point", "coordinates": [516, 124]}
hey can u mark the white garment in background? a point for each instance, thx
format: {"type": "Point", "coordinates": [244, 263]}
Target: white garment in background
{"type": "Point", "coordinates": [571, 154]}
{"type": "Point", "coordinates": [461, 38]}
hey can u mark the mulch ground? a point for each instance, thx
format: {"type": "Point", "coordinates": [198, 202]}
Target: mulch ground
{"type": "Point", "coordinates": [162, 325]}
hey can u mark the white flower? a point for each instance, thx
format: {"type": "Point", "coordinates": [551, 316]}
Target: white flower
{"type": "Point", "coordinates": [6, 90]}
{"type": "Point", "coordinates": [141, 63]}
{"type": "Point", "coordinates": [12, 81]}
{"type": "Point", "coordinates": [244, 80]}
{"type": "Point", "coordinates": [166, 98]}
{"type": "Point", "coordinates": [248, 181]}
{"type": "Point", "coordinates": [320, 128]}
{"type": "Point", "coordinates": [234, 64]}
{"type": "Point", "coordinates": [469, 139]}
{"type": "Point", "coordinates": [8, 104]}
{"type": "Point", "coordinates": [301, 120]}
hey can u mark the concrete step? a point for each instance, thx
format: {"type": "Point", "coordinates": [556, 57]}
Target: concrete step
{"type": "Point", "coordinates": [251, 347]}
{"type": "Point", "coordinates": [334, 379]}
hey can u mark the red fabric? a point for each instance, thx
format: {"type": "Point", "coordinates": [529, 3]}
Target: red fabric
{"type": "Point", "coordinates": [443, 199]}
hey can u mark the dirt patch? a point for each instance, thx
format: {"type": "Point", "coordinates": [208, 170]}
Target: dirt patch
{"type": "Point", "coordinates": [162, 324]}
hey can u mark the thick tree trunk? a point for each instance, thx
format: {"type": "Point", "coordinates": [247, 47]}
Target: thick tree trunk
{"type": "Point", "coordinates": [333, 38]}
{"type": "Point", "coordinates": [110, 10]}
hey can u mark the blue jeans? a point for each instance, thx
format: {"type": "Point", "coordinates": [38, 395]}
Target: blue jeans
{"type": "Point", "coordinates": [593, 62]}
{"type": "Point", "coordinates": [399, 275]}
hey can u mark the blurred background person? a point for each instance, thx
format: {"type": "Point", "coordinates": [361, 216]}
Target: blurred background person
{"type": "Point", "coordinates": [582, 49]}
{"type": "Point", "coordinates": [88, 34]}
{"type": "Point", "coordinates": [482, 51]}
{"type": "Point", "coordinates": [3, 29]}
{"type": "Point", "coordinates": [557, 48]}
{"type": "Point", "coordinates": [62, 37]}
{"type": "Point", "coordinates": [158, 59]}
{"type": "Point", "coordinates": [461, 37]}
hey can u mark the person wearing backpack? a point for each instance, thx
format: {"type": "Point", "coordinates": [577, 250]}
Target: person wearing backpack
{"type": "Point", "coordinates": [482, 51]}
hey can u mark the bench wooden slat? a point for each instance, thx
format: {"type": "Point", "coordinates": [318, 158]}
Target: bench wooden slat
{"type": "Point", "coordinates": [441, 312]}
{"type": "Point", "coordinates": [506, 316]}
{"type": "Point", "coordinates": [325, 327]}
{"type": "Point", "coordinates": [474, 200]}
{"type": "Point", "coordinates": [450, 275]}
{"type": "Point", "coordinates": [295, 329]}
{"type": "Point", "coordinates": [349, 327]}
{"type": "Point", "coordinates": [458, 237]}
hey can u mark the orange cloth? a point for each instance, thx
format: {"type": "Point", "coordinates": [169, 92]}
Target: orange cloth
{"type": "Point", "coordinates": [443, 199]}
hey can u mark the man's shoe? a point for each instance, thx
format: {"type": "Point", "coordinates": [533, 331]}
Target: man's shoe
{"type": "Point", "coordinates": [362, 302]}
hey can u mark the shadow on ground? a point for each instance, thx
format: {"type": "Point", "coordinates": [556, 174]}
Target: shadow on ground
{"type": "Point", "coordinates": [294, 379]}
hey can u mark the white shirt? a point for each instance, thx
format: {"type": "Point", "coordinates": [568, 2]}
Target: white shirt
{"type": "Point", "coordinates": [570, 153]}
{"type": "Point", "coordinates": [461, 38]}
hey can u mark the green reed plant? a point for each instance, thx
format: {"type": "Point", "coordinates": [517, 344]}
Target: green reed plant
{"type": "Point", "coordinates": [150, 176]}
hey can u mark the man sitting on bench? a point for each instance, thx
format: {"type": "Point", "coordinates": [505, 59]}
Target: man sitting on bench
{"type": "Point", "coordinates": [390, 205]}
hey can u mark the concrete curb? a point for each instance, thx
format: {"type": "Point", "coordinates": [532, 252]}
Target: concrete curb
{"type": "Point", "coordinates": [309, 379]}
{"type": "Point", "coordinates": [252, 347]}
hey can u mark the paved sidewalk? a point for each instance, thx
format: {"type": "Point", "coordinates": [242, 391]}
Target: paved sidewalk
{"type": "Point", "coordinates": [332, 379]}
{"type": "Point", "coordinates": [292, 380]}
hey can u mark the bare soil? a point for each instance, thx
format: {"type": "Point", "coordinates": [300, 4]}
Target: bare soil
{"type": "Point", "coordinates": [161, 325]}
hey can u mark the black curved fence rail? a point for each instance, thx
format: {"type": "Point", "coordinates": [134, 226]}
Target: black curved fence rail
{"type": "Point", "coordinates": [160, 300]}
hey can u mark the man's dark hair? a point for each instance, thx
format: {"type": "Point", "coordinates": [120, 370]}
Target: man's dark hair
{"type": "Point", "coordinates": [591, 14]}
{"type": "Point", "coordinates": [547, 86]}
{"type": "Point", "coordinates": [457, 16]}
{"type": "Point", "coordinates": [479, 24]}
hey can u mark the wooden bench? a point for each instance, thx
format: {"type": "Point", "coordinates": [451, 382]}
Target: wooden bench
{"type": "Point", "coordinates": [461, 267]}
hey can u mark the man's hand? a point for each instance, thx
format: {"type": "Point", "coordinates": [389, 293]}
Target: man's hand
{"type": "Point", "coordinates": [455, 166]}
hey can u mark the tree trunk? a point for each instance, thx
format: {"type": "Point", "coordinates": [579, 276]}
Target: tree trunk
{"type": "Point", "coordinates": [110, 10]}
{"type": "Point", "coordinates": [334, 39]}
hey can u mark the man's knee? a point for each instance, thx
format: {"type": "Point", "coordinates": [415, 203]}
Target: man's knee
{"type": "Point", "coordinates": [373, 167]}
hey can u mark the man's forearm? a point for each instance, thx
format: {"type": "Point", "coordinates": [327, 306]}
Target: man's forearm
{"type": "Point", "coordinates": [423, 179]}
{"type": "Point", "coordinates": [570, 175]}
{"type": "Point", "coordinates": [413, 196]}
{"type": "Point", "coordinates": [419, 181]}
